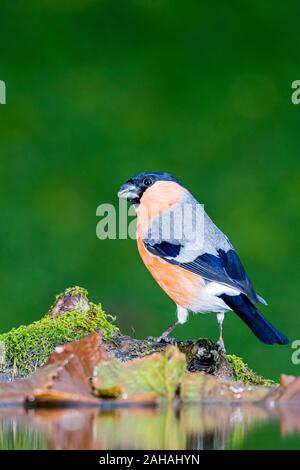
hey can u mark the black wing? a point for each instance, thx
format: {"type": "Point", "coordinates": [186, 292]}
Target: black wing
{"type": "Point", "coordinates": [225, 267]}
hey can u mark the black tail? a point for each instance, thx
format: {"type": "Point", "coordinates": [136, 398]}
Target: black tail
{"type": "Point", "coordinates": [260, 326]}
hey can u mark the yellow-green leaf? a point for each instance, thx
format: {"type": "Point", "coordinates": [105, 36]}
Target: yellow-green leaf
{"type": "Point", "coordinates": [159, 374]}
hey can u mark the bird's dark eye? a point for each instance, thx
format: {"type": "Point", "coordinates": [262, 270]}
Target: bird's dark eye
{"type": "Point", "coordinates": [148, 181]}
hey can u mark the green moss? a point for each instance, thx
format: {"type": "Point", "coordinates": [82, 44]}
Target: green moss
{"type": "Point", "coordinates": [244, 373]}
{"type": "Point", "coordinates": [28, 347]}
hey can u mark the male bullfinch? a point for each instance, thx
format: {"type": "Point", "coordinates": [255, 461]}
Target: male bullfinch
{"type": "Point", "coordinates": [189, 256]}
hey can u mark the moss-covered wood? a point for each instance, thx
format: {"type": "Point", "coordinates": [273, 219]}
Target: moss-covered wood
{"type": "Point", "coordinates": [242, 372]}
{"type": "Point", "coordinates": [70, 318]}
{"type": "Point", "coordinates": [73, 316]}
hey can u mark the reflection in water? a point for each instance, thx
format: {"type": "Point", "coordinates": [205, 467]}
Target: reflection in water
{"type": "Point", "coordinates": [193, 427]}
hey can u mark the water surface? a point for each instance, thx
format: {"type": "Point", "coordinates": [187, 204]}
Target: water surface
{"type": "Point", "coordinates": [191, 427]}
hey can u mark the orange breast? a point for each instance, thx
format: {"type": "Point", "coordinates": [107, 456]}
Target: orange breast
{"type": "Point", "coordinates": [181, 285]}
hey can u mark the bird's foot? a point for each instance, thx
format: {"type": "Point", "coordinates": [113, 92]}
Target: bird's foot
{"type": "Point", "coordinates": [162, 339]}
{"type": "Point", "coordinates": [220, 347]}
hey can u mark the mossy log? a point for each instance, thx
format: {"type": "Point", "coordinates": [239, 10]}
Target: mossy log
{"type": "Point", "coordinates": [73, 316]}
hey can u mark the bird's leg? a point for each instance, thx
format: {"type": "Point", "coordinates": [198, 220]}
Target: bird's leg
{"type": "Point", "coordinates": [164, 337]}
{"type": "Point", "coordinates": [220, 342]}
{"type": "Point", "coordinates": [170, 329]}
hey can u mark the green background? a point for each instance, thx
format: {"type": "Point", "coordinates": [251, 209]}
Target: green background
{"type": "Point", "coordinates": [100, 90]}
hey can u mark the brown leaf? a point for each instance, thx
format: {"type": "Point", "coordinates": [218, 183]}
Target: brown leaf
{"type": "Point", "coordinates": [286, 380]}
{"type": "Point", "coordinates": [199, 387]}
{"type": "Point", "coordinates": [18, 391]}
{"type": "Point", "coordinates": [79, 360]}
{"type": "Point", "coordinates": [287, 392]}
{"type": "Point", "coordinates": [76, 364]}
{"type": "Point", "coordinates": [65, 378]}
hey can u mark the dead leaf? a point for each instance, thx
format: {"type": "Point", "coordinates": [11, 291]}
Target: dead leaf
{"type": "Point", "coordinates": [65, 378]}
{"type": "Point", "coordinates": [20, 390]}
{"type": "Point", "coordinates": [199, 386]}
{"type": "Point", "coordinates": [158, 374]}
{"type": "Point", "coordinates": [287, 392]}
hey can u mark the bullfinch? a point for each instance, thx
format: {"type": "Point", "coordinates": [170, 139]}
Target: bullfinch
{"type": "Point", "coordinates": [189, 256]}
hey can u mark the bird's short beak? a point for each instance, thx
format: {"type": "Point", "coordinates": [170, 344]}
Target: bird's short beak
{"type": "Point", "coordinates": [128, 191]}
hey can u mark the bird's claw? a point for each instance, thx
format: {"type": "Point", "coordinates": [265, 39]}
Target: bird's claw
{"type": "Point", "coordinates": [162, 339]}
{"type": "Point", "coordinates": [220, 347]}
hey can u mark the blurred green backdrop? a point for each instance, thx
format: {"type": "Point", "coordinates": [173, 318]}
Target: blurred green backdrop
{"type": "Point", "coordinates": [100, 90]}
